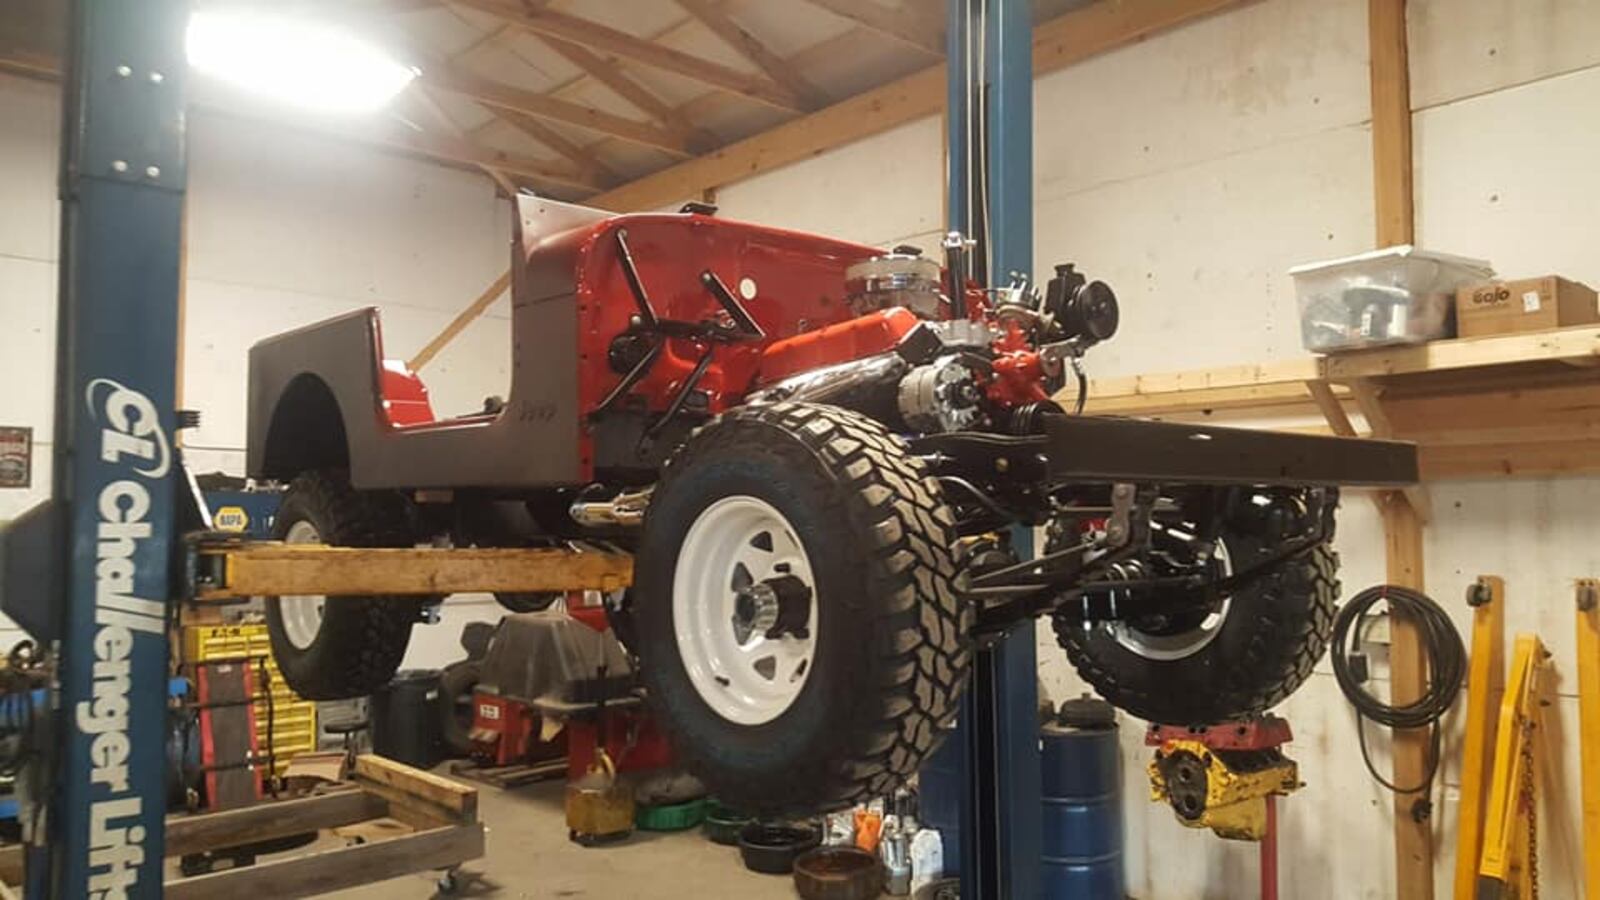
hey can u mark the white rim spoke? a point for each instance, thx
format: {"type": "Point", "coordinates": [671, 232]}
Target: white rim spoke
{"type": "Point", "coordinates": [302, 614]}
{"type": "Point", "coordinates": [736, 544]}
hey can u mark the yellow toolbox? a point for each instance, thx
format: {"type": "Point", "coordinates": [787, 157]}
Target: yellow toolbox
{"type": "Point", "coordinates": [292, 728]}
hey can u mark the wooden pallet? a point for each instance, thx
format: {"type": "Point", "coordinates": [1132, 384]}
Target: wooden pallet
{"type": "Point", "coordinates": [440, 831]}
{"type": "Point", "coordinates": [504, 777]}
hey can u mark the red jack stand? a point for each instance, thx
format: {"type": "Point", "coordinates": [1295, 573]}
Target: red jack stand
{"type": "Point", "coordinates": [1226, 777]}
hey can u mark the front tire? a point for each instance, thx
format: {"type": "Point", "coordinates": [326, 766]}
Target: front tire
{"type": "Point", "coordinates": [331, 648]}
{"type": "Point", "coordinates": [796, 619]}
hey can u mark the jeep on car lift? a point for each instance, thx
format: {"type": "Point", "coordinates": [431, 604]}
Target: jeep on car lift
{"type": "Point", "coordinates": [815, 451]}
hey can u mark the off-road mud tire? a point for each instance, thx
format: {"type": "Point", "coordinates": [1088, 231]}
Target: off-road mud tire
{"type": "Point", "coordinates": [361, 639]}
{"type": "Point", "coordinates": [892, 649]}
{"type": "Point", "coordinates": [1276, 629]}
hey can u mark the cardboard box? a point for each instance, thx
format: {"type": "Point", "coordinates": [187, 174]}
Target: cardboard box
{"type": "Point", "coordinates": [1532, 304]}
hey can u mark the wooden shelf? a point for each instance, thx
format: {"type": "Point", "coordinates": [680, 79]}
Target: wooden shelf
{"type": "Point", "coordinates": [1504, 405]}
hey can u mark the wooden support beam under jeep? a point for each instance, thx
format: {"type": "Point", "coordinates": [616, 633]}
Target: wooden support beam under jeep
{"type": "Point", "coordinates": [232, 569]}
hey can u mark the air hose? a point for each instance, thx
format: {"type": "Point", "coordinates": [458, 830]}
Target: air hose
{"type": "Point", "coordinates": [1446, 665]}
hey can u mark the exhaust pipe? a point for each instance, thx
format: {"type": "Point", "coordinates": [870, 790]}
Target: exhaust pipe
{"type": "Point", "coordinates": [625, 510]}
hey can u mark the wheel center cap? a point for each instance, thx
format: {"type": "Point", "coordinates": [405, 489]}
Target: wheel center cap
{"type": "Point", "coordinates": [777, 606]}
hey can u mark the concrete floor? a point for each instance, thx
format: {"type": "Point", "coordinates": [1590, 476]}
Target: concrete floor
{"type": "Point", "coordinates": [528, 855]}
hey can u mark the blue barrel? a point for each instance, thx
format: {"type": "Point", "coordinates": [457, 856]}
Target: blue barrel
{"type": "Point", "coordinates": [1081, 847]}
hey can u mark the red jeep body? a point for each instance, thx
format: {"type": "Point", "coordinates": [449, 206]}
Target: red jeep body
{"type": "Point", "coordinates": [570, 300]}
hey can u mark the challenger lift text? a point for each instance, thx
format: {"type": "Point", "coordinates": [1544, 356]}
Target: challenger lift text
{"type": "Point", "coordinates": [131, 435]}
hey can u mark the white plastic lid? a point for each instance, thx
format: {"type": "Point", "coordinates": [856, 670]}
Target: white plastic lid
{"type": "Point", "coordinates": [1401, 251]}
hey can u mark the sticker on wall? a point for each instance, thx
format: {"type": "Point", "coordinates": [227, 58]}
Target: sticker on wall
{"type": "Point", "coordinates": [231, 518]}
{"type": "Point", "coordinates": [16, 457]}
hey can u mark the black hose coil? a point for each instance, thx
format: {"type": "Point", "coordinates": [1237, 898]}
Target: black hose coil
{"type": "Point", "coordinates": [1447, 668]}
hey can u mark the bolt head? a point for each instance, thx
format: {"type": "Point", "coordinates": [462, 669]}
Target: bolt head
{"type": "Point", "coordinates": [152, 171]}
{"type": "Point", "coordinates": [157, 78]}
{"type": "Point", "coordinates": [119, 165]}
{"type": "Point", "coordinates": [124, 71]}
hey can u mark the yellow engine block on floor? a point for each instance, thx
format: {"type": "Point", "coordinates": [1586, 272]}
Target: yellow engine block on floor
{"type": "Point", "coordinates": [1223, 790]}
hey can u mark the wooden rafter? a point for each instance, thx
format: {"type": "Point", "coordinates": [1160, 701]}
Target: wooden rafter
{"type": "Point", "coordinates": [465, 152]}
{"type": "Point", "coordinates": [457, 80]}
{"type": "Point", "coordinates": [1064, 40]}
{"type": "Point", "coordinates": [635, 49]}
{"type": "Point", "coordinates": [586, 160]}
{"type": "Point", "coordinates": [704, 106]}
{"type": "Point", "coordinates": [431, 104]}
{"type": "Point", "coordinates": [390, 136]}
{"type": "Point", "coordinates": [609, 74]}
{"type": "Point", "coordinates": [751, 48]}
{"type": "Point", "coordinates": [925, 32]}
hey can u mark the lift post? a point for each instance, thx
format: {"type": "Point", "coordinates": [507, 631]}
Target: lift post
{"type": "Point", "coordinates": [990, 170]}
{"type": "Point", "coordinates": [115, 489]}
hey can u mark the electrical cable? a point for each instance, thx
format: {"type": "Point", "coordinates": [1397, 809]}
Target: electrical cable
{"type": "Point", "coordinates": [1083, 385]}
{"type": "Point", "coordinates": [1446, 660]}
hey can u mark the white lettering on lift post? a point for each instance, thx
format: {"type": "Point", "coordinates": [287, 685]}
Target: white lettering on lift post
{"type": "Point", "coordinates": [130, 435]}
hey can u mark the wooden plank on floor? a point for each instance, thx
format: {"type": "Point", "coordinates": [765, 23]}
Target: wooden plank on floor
{"type": "Point", "coordinates": [435, 789]}
{"type": "Point", "coordinates": [510, 776]}
{"type": "Point", "coordinates": [330, 870]}
{"type": "Point", "coordinates": [264, 821]}
{"type": "Point", "coordinates": [273, 819]}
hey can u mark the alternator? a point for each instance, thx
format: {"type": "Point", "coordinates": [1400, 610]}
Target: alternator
{"type": "Point", "coordinates": [940, 396]}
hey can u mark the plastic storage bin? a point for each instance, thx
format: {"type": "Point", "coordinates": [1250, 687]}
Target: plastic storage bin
{"type": "Point", "coordinates": [1398, 295]}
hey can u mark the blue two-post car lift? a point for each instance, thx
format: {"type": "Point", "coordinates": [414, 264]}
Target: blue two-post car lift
{"type": "Point", "coordinates": [107, 542]}
{"type": "Point", "coordinates": [110, 530]}
{"type": "Point", "coordinates": [990, 183]}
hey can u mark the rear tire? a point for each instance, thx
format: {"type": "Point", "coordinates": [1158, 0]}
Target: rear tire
{"type": "Point", "coordinates": [331, 648]}
{"type": "Point", "coordinates": [828, 496]}
{"type": "Point", "coordinates": [1271, 633]}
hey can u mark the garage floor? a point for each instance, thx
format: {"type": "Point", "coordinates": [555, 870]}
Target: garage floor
{"type": "Point", "coordinates": [529, 856]}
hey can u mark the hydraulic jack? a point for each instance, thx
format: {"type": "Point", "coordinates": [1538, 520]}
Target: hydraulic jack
{"type": "Point", "coordinates": [1226, 777]}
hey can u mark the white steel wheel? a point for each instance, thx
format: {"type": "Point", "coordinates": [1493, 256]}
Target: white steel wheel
{"type": "Point", "coordinates": [742, 576]}
{"type": "Point", "coordinates": [1172, 645]}
{"type": "Point", "coordinates": [302, 613]}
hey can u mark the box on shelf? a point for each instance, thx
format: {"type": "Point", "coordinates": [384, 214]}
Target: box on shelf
{"type": "Point", "coordinates": [1398, 295]}
{"type": "Point", "coordinates": [1529, 304]}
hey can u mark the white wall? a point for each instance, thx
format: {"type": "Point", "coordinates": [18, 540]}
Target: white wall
{"type": "Point", "coordinates": [1191, 171]}
{"type": "Point", "coordinates": [284, 229]}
